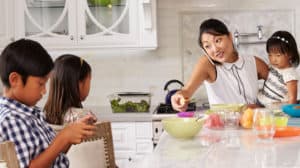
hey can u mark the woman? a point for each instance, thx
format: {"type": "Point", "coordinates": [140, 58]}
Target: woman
{"type": "Point", "coordinates": [228, 77]}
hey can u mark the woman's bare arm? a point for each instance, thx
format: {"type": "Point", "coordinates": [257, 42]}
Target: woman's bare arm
{"type": "Point", "coordinates": [292, 91]}
{"type": "Point", "coordinates": [262, 68]}
{"type": "Point", "coordinates": [203, 70]}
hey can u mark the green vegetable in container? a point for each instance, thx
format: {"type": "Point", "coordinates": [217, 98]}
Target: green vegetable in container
{"type": "Point", "coordinates": [129, 106]}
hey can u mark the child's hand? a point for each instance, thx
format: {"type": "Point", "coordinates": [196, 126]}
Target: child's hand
{"type": "Point", "coordinates": [77, 132]}
{"type": "Point", "coordinates": [90, 118]}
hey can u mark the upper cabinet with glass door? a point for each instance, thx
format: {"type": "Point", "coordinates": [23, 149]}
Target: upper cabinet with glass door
{"type": "Point", "coordinates": [6, 20]}
{"type": "Point", "coordinates": [51, 22]}
{"type": "Point", "coordinates": [88, 23]}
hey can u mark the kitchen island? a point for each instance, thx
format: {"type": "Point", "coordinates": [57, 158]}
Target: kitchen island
{"type": "Point", "coordinates": [223, 149]}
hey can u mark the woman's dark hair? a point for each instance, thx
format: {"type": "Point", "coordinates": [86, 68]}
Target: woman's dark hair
{"type": "Point", "coordinates": [284, 42]}
{"type": "Point", "coordinates": [27, 58]}
{"type": "Point", "coordinates": [214, 27]}
{"type": "Point", "coordinates": [64, 93]}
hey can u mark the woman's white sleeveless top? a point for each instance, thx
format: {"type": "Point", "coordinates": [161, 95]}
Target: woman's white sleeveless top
{"type": "Point", "coordinates": [236, 82]}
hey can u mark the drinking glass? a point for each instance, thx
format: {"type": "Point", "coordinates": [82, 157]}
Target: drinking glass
{"type": "Point", "coordinates": [263, 124]}
{"type": "Point", "coordinates": [74, 114]}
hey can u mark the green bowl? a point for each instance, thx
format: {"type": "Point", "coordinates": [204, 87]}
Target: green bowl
{"type": "Point", "coordinates": [184, 128]}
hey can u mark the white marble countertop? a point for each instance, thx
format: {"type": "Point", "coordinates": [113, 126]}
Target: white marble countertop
{"type": "Point", "coordinates": [223, 149]}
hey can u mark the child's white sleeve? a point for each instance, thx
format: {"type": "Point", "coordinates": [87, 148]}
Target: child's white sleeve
{"type": "Point", "coordinates": [290, 74]}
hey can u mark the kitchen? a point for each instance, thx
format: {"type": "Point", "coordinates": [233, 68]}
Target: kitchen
{"type": "Point", "coordinates": [139, 69]}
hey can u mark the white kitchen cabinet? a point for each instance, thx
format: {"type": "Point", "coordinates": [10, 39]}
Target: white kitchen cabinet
{"type": "Point", "coordinates": [132, 141]}
{"type": "Point", "coordinates": [52, 23]}
{"type": "Point", "coordinates": [6, 20]}
{"type": "Point", "coordinates": [80, 24]}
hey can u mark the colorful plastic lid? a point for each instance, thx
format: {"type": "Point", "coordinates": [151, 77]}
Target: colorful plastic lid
{"type": "Point", "coordinates": [185, 114]}
{"type": "Point", "coordinates": [292, 110]}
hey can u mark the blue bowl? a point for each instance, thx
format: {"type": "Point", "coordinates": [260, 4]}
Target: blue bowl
{"type": "Point", "coordinates": [292, 110]}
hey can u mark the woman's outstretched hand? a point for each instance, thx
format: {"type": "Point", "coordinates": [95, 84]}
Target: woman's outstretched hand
{"type": "Point", "coordinates": [179, 101]}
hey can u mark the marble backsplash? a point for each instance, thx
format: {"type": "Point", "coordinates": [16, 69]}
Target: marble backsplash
{"type": "Point", "coordinates": [241, 21]}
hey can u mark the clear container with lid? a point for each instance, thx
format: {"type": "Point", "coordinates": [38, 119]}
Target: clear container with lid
{"type": "Point", "coordinates": [130, 102]}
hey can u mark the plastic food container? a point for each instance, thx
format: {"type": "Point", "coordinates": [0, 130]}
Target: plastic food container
{"type": "Point", "coordinates": [292, 110]}
{"type": "Point", "coordinates": [281, 120]}
{"type": "Point", "coordinates": [130, 102]}
{"type": "Point", "coordinates": [231, 119]}
{"type": "Point", "coordinates": [223, 119]}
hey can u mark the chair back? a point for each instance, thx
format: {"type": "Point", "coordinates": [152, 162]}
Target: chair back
{"type": "Point", "coordinates": [96, 152]}
{"type": "Point", "coordinates": [8, 154]}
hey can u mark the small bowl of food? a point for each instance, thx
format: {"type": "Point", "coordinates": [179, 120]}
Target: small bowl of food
{"type": "Point", "coordinates": [281, 120]}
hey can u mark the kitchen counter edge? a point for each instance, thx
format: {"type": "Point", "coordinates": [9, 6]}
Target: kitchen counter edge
{"type": "Point", "coordinates": [105, 113]}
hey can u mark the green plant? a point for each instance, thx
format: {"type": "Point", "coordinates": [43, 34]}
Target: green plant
{"type": "Point", "coordinates": [104, 2]}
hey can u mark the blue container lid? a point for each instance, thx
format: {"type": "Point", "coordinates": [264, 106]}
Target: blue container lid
{"type": "Point", "coordinates": [292, 110]}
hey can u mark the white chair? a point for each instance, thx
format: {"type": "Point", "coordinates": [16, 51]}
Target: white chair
{"type": "Point", "coordinates": [8, 154]}
{"type": "Point", "coordinates": [96, 152]}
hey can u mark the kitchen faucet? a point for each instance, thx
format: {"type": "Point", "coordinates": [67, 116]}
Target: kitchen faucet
{"type": "Point", "coordinates": [259, 35]}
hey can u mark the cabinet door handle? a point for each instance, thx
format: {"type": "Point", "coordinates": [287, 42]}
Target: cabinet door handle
{"type": "Point", "coordinates": [81, 37]}
{"type": "Point", "coordinates": [72, 37]}
{"type": "Point", "coordinates": [129, 159]}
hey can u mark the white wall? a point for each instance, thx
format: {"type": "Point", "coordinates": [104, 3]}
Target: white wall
{"type": "Point", "coordinates": [140, 70]}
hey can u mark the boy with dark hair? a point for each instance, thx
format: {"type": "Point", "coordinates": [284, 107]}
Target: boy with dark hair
{"type": "Point", "coordinates": [25, 67]}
